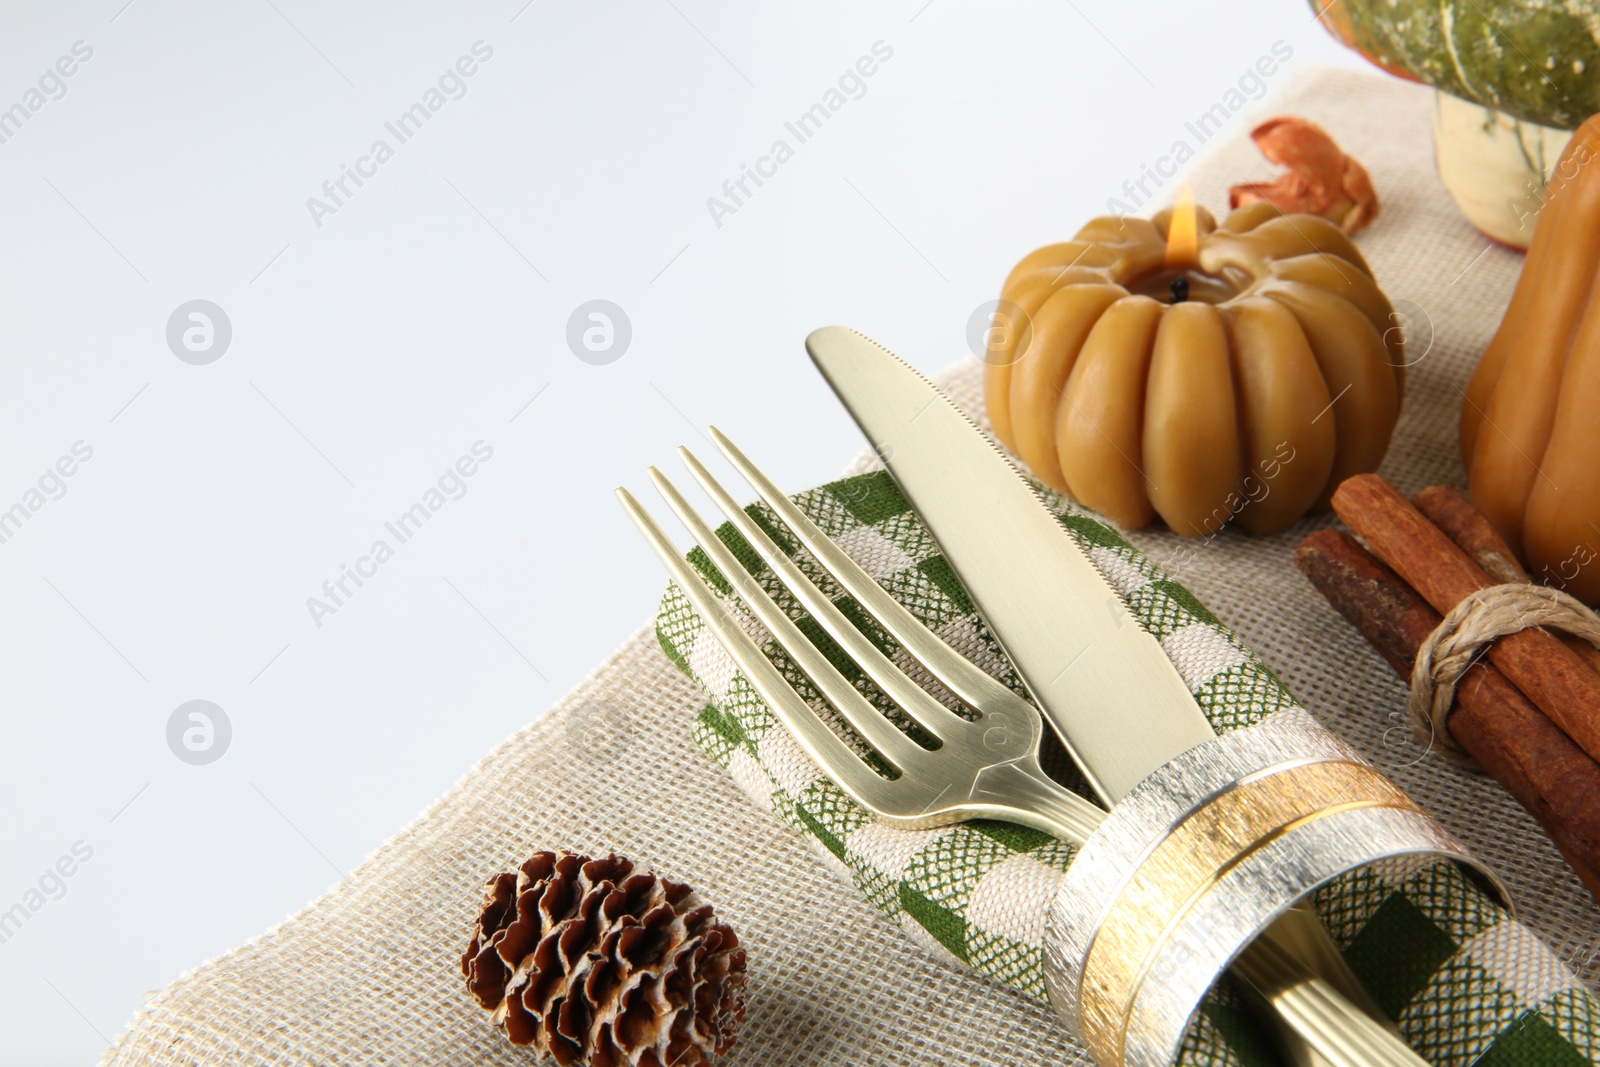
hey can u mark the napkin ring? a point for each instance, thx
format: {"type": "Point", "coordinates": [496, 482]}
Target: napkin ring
{"type": "Point", "coordinates": [1202, 856]}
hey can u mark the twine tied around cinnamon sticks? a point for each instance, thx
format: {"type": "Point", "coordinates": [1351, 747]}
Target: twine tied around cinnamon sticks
{"type": "Point", "coordinates": [1481, 618]}
{"type": "Point", "coordinates": [1527, 705]}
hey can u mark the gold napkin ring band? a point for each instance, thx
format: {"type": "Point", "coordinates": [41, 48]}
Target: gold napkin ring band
{"type": "Point", "coordinates": [1201, 857]}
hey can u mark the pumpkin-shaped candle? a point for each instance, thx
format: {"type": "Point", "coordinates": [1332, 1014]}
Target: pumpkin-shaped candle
{"type": "Point", "coordinates": [1233, 372]}
{"type": "Point", "coordinates": [1528, 433]}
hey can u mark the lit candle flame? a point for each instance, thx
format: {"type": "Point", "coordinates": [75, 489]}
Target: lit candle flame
{"type": "Point", "coordinates": [1182, 241]}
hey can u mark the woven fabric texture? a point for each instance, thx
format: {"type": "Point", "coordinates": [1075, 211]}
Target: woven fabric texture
{"type": "Point", "coordinates": [1465, 982]}
{"type": "Point", "coordinates": [368, 973]}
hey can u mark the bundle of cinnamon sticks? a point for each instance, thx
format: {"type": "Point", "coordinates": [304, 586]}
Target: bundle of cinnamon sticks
{"type": "Point", "coordinates": [1528, 711]}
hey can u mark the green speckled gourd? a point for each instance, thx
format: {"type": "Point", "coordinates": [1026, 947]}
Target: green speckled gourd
{"type": "Point", "coordinates": [1538, 60]}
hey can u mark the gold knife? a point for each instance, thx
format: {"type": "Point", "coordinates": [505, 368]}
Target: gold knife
{"type": "Point", "coordinates": [1105, 685]}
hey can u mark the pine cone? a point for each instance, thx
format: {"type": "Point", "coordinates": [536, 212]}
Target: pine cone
{"type": "Point", "coordinates": [592, 963]}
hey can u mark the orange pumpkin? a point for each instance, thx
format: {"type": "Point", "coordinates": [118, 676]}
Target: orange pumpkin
{"type": "Point", "coordinates": [1528, 423]}
{"type": "Point", "coordinates": [1280, 376]}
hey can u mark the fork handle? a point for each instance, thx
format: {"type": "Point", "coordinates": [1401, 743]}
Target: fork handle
{"type": "Point", "coordinates": [1317, 1023]}
{"type": "Point", "coordinates": [1321, 1014]}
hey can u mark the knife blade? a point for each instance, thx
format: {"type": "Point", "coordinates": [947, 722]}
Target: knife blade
{"type": "Point", "coordinates": [1102, 682]}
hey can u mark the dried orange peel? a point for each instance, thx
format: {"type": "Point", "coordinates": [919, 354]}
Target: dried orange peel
{"type": "Point", "coordinates": [1320, 180]}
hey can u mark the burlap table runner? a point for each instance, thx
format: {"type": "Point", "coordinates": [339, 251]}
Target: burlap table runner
{"type": "Point", "coordinates": [367, 974]}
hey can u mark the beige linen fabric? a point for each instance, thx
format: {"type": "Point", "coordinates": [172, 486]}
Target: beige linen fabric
{"type": "Point", "coordinates": [368, 974]}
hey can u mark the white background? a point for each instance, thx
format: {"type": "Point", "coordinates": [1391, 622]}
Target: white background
{"type": "Point", "coordinates": [371, 352]}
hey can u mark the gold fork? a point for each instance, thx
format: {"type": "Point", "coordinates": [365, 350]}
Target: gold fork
{"type": "Point", "coordinates": [986, 767]}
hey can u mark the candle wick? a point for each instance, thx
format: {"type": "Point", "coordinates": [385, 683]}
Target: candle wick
{"type": "Point", "coordinates": [1180, 289]}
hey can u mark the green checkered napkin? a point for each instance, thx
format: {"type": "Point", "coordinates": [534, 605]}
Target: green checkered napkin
{"type": "Point", "coordinates": [1467, 984]}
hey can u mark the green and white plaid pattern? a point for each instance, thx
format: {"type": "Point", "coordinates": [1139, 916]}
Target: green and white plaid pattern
{"type": "Point", "coordinates": [1467, 984]}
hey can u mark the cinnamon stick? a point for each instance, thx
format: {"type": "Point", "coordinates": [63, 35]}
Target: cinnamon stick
{"type": "Point", "coordinates": [1493, 721]}
{"type": "Point", "coordinates": [1451, 511]}
{"type": "Point", "coordinates": [1549, 673]}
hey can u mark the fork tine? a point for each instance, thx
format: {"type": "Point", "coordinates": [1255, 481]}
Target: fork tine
{"type": "Point", "coordinates": [854, 708]}
{"type": "Point", "coordinates": [1002, 782]}
{"type": "Point", "coordinates": [911, 698]}
{"type": "Point", "coordinates": [954, 671]}
{"type": "Point", "coordinates": [836, 759]}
